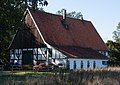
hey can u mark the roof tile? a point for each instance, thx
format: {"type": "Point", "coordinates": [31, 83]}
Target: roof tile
{"type": "Point", "coordinates": [80, 33]}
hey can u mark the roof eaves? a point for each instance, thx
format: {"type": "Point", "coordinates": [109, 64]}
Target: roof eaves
{"type": "Point", "coordinates": [12, 40]}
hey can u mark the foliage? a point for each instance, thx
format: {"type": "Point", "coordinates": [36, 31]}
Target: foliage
{"type": "Point", "coordinates": [114, 47]}
{"type": "Point", "coordinates": [116, 33]}
{"type": "Point", "coordinates": [10, 17]}
{"type": "Point", "coordinates": [73, 14]}
{"type": "Point", "coordinates": [34, 4]}
{"type": "Point", "coordinates": [114, 50]}
{"type": "Point", "coordinates": [11, 13]}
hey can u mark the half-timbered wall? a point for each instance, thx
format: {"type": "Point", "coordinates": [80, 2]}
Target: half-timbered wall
{"type": "Point", "coordinates": [39, 54]}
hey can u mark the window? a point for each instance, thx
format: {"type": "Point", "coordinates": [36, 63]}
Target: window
{"type": "Point", "coordinates": [104, 53]}
{"type": "Point", "coordinates": [74, 65]}
{"type": "Point", "coordinates": [15, 56]}
{"type": "Point", "coordinates": [94, 64]}
{"type": "Point", "coordinates": [39, 57]}
{"type": "Point", "coordinates": [81, 64]}
{"type": "Point", "coordinates": [35, 51]}
{"type": "Point", "coordinates": [68, 64]}
{"type": "Point", "coordinates": [88, 64]}
{"type": "Point", "coordinates": [104, 62]}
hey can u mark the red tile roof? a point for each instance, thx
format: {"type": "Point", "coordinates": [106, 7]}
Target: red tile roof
{"type": "Point", "coordinates": [79, 33]}
{"type": "Point", "coordinates": [78, 52]}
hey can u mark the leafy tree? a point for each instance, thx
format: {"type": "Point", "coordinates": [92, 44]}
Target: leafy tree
{"type": "Point", "coordinates": [116, 33]}
{"type": "Point", "coordinates": [11, 13]}
{"type": "Point", "coordinates": [114, 47]}
{"type": "Point", "coordinates": [73, 14]}
{"type": "Point", "coordinates": [33, 4]}
{"type": "Point", "coordinates": [114, 50]}
{"type": "Point", "coordinates": [10, 16]}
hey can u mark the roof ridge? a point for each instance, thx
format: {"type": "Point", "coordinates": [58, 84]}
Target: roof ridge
{"type": "Point", "coordinates": [59, 15]}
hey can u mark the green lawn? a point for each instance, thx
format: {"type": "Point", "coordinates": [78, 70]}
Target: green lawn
{"type": "Point", "coordinates": [20, 77]}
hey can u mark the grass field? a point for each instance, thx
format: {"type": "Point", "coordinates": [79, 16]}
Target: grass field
{"type": "Point", "coordinates": [104, 76]}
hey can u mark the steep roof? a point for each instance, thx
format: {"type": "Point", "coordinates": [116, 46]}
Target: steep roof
{"type": "Point", "coordinates": [79, 33]}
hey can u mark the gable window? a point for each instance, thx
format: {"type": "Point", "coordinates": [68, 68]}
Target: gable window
{"type": "Point", "coordinates": [74, 65]}
{"type": "Point", "coordinates": [104, 53]}
{"type": "Point", "coordinates": [88, 64]}
{"type": "Point", "coordinates": [104, 62]}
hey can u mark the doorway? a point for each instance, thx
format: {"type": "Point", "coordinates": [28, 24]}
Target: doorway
{"type": "Point", "coordinates": [27, 57]}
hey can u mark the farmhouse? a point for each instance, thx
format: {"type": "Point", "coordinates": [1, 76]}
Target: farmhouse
{"type": "Point", "coordinates": [49, 38]}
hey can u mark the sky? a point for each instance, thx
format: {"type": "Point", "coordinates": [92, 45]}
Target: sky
{"type": "Point", "coordinates": [104, 14]}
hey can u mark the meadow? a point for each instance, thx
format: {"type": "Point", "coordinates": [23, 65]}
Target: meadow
{"type": "Point", "coordinates": [102, 76]}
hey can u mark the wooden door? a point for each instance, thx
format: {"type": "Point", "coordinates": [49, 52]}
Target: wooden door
{"type": "Point", "coordinates": [27, 57]}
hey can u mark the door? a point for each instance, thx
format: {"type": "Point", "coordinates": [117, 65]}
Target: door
{"type": "Point", "coordinates": [27, 57]}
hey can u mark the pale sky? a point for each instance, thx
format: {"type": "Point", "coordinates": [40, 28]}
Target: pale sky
{"type": "Point", "coordinates": [104, 14]}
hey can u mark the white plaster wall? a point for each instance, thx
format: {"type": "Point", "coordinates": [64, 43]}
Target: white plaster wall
{"type": "Point", "coordinates": [78, 63]}
{"type": "Point", "coordinates": [18, 52]}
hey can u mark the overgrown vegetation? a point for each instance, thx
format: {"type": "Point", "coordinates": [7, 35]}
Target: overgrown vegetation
{"type": "Point", "coordinates": [105, 76]}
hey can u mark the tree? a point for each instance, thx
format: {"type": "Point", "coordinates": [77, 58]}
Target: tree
{"type": "Point", "coordinates": [73, 14]}
{"type": "Point", "coordinates": [116, 33]}
{"type": "Point", "coordinates": [10, 17]}
{"type": "Point", "coordinates": [33, 4]}
{"type": "Point", "coordinates": [114, 50]}
{"type": "Point", "coordinates": [11, 13]}
{"type": "Point", "coordinates": [114, 47]}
